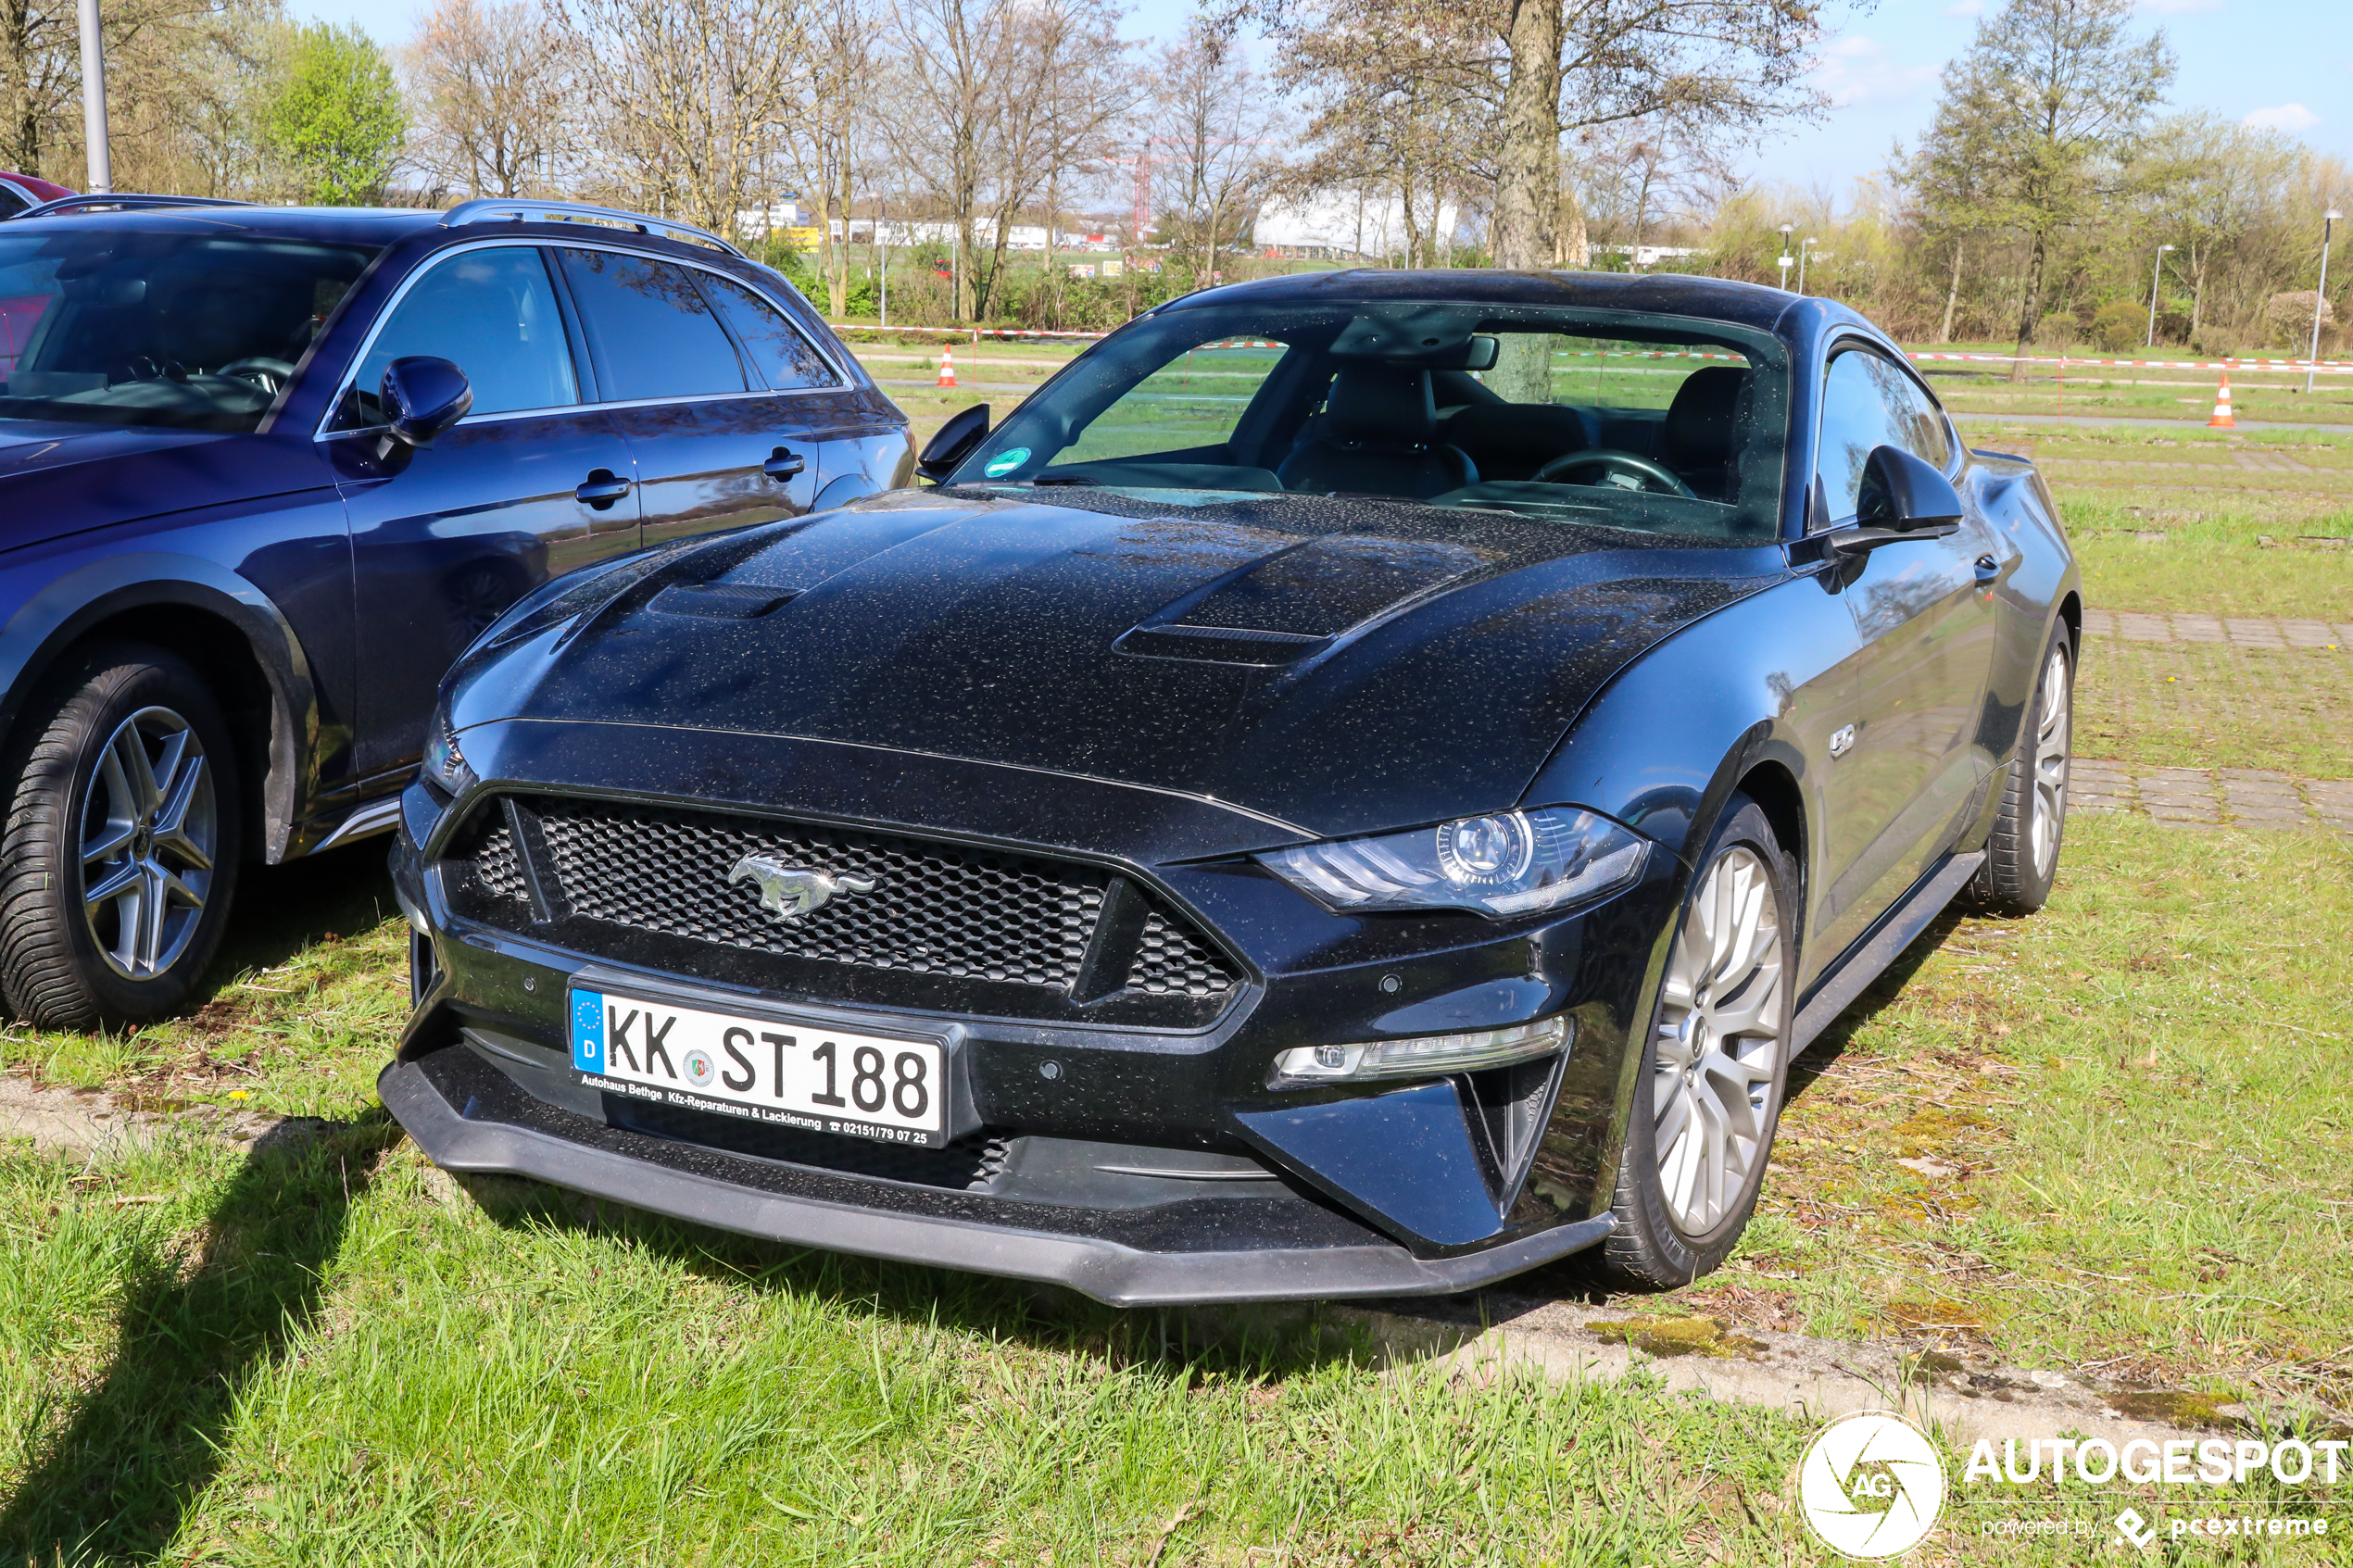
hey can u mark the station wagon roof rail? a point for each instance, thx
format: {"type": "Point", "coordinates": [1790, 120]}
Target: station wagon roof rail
{"type": "Point", "coordinates": [493, 209]}
{"type": "Point", "coordinates": [122, 201]}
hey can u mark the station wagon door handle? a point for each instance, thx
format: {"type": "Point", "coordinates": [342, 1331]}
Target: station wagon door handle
{"type": "Point", "coordinates": [601, 489]}
{"type": "Point", "coordinates": [1988, 568]}
{"type": "Point", "coordinates": [782, 465]}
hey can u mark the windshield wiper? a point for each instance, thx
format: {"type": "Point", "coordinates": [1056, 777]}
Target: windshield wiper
{"type": "Point", "coordinates": [1067, 478]}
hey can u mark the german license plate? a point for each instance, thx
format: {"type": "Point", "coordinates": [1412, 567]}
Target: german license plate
{"type": "Point", "coordinates": [795, 1072]}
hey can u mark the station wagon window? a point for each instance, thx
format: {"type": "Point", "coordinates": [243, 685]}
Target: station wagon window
{"type": "Point", "coordinates": [652, 333]}
{"type": "Point", "coordinates": [785, 361]}
{"type": "Point", "coordinates": [1869, 401]}
{"type": "Point", "coordinates": [492, 313]}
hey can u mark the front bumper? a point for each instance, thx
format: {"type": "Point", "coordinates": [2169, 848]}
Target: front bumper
{"type": "Point", "coordinates": [467, 1116]}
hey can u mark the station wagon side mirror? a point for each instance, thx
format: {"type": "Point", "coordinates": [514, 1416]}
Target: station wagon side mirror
{"type": "Point", "coordinates": [1902, 491]}
{"type": "Point", "coordinates": [423, 396]}
{"type": "Point", "coordinates": [954, 443]}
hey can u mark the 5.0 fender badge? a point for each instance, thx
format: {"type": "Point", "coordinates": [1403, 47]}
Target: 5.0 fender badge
{"type": "Point", "coordinates": [788, 892]}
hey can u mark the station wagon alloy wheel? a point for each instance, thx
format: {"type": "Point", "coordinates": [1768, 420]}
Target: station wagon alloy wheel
{"type": "Point", "coordinates": [148, 841]}
{"type": "Point", "coordinates": [2050, 761]}
{"type": "Point", "coordinates": [1719, 1043]}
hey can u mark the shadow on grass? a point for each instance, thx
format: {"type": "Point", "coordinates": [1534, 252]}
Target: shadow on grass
{"type": "Point", "coordinates": [281, 910]}
{"type": "Point", "coordinates": [114, 1477]}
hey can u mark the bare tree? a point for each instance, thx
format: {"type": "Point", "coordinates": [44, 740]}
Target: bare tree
{"type": "Point", "coordinates": [1221, 138]}
{"type": "Point", "coordinates": [954, 57]}
{"type": "Point", "coordinates": [492, 88]}
{"type": "Point", "coordinates": [829, 140]}
{"type": "Point", "coordinates": [688, 93]}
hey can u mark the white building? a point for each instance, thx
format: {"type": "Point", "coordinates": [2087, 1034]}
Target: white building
{"type": "Point", "coordinates": [1342, 225]}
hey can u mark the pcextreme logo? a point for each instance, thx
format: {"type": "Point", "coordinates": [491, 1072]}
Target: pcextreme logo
{"type": "Point", "coordinates": [1870, 1486]}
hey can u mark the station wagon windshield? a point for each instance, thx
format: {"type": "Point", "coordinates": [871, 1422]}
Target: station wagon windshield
{"type": "Point", "coordinates": [1663, 424]}
{"type": "Point", "coordinates": [196, 331]}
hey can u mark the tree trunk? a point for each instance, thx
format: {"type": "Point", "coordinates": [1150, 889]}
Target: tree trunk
{"type": "Point", "coordinates": [839, 280]}
{"type": "Point", "coordinates": [2030, 309]}
{"type": "Point", "coordinates": [1952, 295]}
{"type": "Point", "coordinates": [1527, 187]}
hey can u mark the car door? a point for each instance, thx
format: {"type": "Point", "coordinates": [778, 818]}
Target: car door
{"type": "Point", "coordinates": [533, 482]}
{"type": "Point", "coordinates": [689, 364]}
{"type": "Point", "coordinates": [1925, 618]}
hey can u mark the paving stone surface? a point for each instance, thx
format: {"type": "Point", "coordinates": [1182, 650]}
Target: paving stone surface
{"type": "Point", "coordinates": [2241, 631]}
{"type": "Point", "coordinates": [2250, 798]}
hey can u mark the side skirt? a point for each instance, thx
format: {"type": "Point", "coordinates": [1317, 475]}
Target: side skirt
{"type": "Point", "coordinates": [1869, 957]}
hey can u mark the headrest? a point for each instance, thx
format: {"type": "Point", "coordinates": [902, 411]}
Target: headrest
{"type": "Point", "coordinates": [1703, 423]}
{"type": "Point", "coordinates": [1381, 403]}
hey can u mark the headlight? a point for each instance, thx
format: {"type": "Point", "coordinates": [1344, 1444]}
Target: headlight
{"type": "Point", "coordinates": [1510, 863]}
{"type": "Point", "coordinates": [1426, 1055]}
{"type": "Point", "coordinates": [445, 767]}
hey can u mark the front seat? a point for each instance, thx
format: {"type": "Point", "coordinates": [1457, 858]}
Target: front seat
{"type": "Point", "coordinates": [1378, 435]}
{"type": "Point", "coordinates": [1705, 425]}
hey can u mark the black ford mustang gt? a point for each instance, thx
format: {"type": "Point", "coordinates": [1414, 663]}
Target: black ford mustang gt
{"type": "Point", "coordinates": [1360, 785]}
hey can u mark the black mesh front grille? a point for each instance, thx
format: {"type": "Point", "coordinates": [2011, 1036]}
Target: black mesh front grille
{"type": "Point", "coordinates": [947, 912]}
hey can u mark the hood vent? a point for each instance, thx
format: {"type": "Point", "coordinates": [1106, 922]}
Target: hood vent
{"type": "Point", "coordinates": [1294, 604]}
{"type": "Point", "coordinates": [722, 601]}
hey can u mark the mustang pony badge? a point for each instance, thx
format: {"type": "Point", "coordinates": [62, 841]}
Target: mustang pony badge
{"type": "Point", "coordinates": [788, 892]}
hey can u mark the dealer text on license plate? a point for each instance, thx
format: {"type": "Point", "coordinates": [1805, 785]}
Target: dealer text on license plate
{"type": "Point", "coordinates": [795, 1072]}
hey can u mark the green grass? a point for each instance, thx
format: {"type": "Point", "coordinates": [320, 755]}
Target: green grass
{"type": "Point", "coordinates": [2138, 1100]}
{"type": "Point", "coordinates": [2212, 705]}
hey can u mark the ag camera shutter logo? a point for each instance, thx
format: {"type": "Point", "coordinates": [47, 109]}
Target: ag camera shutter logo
{"type": "Point", "coordinates": [1870, 1486]}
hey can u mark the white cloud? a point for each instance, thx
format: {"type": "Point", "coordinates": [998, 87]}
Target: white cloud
{"type": "Point", "coordinates": [1966, 8]}
{"type": "Point", "coordinates": [1854, 70]}
{"type": "Point", "coordinates": [2290, 118]}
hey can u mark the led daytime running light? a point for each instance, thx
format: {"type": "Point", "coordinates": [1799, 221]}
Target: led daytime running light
{"type": "Point", "coordinates": [1503, 864]}
{"type": "Point", "coordinates": [1424, 1056]}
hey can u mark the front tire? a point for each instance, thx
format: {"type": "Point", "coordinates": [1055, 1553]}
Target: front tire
{"type": "Point", "coordinates": [1715, 1066]}
{"type": "Point", "coordinates": [2021, 854]}
{"type": "Point", "coordinates": [122, 843]}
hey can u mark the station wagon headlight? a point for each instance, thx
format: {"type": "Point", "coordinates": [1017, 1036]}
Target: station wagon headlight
{"type": "Point", "coordinates": [1502, 865]}
{"type": "Point", "coordinates": [444, 765]}
{"type": "Point", "coordinates": [1424, 1056]}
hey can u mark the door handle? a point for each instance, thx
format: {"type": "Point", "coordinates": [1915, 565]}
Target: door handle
{"type": "Point", "coordinates": [783, 465]}
{"type": "Point", "coordinates": [1988, 568]}
{"type": "Point", "coordinates": [601, 489]}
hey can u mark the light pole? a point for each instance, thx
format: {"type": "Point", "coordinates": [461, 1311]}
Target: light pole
{"type": "Point", "coordinates": [1786, 256]}
{"type": "Point", "coordinates": [94, 100]}
{"type": "Point", "coordinates": [2155, 272]}
{"type": "Point", "coordinates": [2321, 295]}
{"type": "Point", "coordinates": [1802, 247]}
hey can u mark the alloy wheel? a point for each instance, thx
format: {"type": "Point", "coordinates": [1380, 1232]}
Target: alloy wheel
{"type": "Point", "coordinates": [1719, 1043]}
{"type": "Point", "coordinates": [2050, 761]}
{"type": "Point", "coordinates": [148, 835]}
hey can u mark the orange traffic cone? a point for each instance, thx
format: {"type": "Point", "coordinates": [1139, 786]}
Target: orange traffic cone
{"type": "Point", "coordinates": [947, 374]}
{"type": "Point", "coordinates": [2221, 420]}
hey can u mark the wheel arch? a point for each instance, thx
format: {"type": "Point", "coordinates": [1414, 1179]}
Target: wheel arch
{"type": "Point", "coordinates": [224, 626]}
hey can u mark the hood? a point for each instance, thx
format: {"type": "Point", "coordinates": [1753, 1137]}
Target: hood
{"type": "Point", "coordinates": [1342, 668]}
{"type": "Point", "coordinates": [59, 478]}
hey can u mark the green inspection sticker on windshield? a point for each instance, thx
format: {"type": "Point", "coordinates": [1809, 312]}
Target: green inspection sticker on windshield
{"type": "Point", "coordinates": [1004, 463]}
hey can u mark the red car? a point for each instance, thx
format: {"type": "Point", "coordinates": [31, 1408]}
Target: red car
{"type": "Point", "coordinates": [19, 191]}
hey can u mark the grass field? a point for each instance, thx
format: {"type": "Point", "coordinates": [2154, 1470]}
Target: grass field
{"type": "Point", "coordinates": [2111, 1141]}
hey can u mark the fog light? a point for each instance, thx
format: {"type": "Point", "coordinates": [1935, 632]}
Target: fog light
{"type": "Point", "coordinates": [1424, 1056]}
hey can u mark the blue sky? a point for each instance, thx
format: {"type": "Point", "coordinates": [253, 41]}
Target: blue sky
{"type": "Point", "coordinates": [2288, 63]}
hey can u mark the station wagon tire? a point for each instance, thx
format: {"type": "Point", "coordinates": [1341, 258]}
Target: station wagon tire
{"type": "Point", "coordinates": [2021, 854]}
{"type": "Point", "coordinates": [1715, 1065]}
{"type": "Point", "coordinates": [125, 784]}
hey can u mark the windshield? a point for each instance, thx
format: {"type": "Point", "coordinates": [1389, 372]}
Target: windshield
{"type": "Point", "coordinates": [1663, 424]}
{"type": "Point", "coordinates": [197, 332]}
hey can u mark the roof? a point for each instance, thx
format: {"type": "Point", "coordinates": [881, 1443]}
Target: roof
{"type": "Point", "coordinates": [1675, 293]}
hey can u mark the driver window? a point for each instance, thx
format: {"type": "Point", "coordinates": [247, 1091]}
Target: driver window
{"type": "Point", "coordinates": [493, 314]}
{"type": "Point", "coordinates": [1869, 401]}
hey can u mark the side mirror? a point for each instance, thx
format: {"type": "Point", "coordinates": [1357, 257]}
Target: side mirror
{"type": "Point", "coordinates": [1903, 492]}
{"type": "Point", "coordinates": [954, 443]}
{"type": "Point", "coordinates": [423, 396]}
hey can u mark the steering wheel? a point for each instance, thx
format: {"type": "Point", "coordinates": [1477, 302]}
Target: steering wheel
{"type": "Point", "coordinates": [1655, 475]}
{"type": "Point", "coordinates": [270, 375]}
